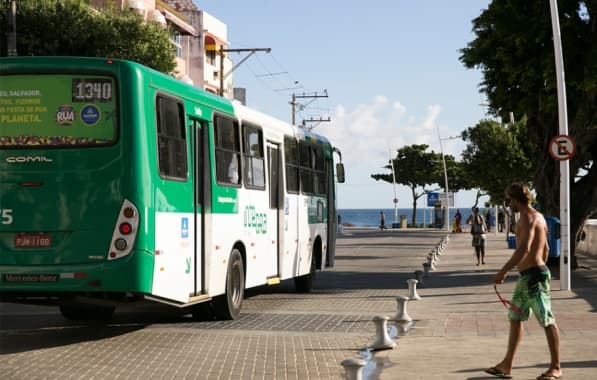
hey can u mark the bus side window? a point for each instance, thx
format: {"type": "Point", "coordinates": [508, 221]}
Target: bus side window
{"type": "Point", "coordinates": [292, 164]}
{"type": "Point", "coordinates": [307, 162]}
{"type": "Point", "coordinates": [227, 149]}
{"type": "Point", "coordinates": [254, 162]}
{"type": "Point", "coordinates": [172, 146]}
{"type": "Point", "coordinates": [320, 184]}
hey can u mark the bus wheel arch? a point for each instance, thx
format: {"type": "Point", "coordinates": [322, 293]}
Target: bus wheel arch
{"type": "Point", "coordinates": [318, 253]}
{"type": "Point", "coordinates": [82, 312]}
{"type": "Point", "coordinates": [228, 305]}
{"type": "Point", "coordinates": [305, 283]}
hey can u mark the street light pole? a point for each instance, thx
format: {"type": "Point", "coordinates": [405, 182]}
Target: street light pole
{"type": "Point", "coordinates": [395, 192]}
{"type": "Point", "coordinates": [447, 221]}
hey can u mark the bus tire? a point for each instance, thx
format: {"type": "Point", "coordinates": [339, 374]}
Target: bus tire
{"type": "Point", "coordinates": [228, 305]}
{"type": "Point", "coordinates": [304, 284]}
{"type": "Point", "coordinates": [87, 313]}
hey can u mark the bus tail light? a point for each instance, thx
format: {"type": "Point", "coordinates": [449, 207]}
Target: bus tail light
{"type": "Point", "coordinates": [125, 228]}
{"type": "Point", "coordinates": [125, 231]}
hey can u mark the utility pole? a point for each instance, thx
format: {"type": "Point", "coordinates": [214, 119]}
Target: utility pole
{"type": "Point", "coordinates": [314, 120]}
{"type": "Point", "coordinates": [313, 96]}
{"type": "Point", "coordinates": [11, 26]}
{"type": "Point", "coordinates": [222, 51]}
{"type": "Point", "coordinates": [447, 212]}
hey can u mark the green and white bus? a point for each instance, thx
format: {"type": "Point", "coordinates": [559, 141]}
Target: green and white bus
{"type": "Point", "coordinates": [119, 183]}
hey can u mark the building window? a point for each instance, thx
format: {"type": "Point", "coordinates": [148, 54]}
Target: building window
{"type": "Point", "coordinates": [176, 41]}
{"type": "Point", "coordinates": [210, 57]}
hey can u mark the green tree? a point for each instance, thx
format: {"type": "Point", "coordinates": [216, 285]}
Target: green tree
{"type": "Point", "coordinates": [514, 49]}
{"type": "Point", "coordinates": [495, 155]}
{"type": "Point", "coordinates": [419, 170]}
{"type": "Point", "coordinates": [73, 27]}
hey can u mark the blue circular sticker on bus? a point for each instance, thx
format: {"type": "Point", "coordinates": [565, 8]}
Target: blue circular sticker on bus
{"type": "Point", "coordinates": [90, 114]}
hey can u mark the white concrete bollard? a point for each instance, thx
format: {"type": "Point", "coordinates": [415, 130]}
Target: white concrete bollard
{"type": "Point", "coordinates": [412, 289]}
{"type": "Point", "coordinates": [419, 276]}
{"type": "Point", "coordinates": [402, 315]}
{"type": "Point", "coordinates": [426, 267]}
{"type": "Point", "coordinates": [431, 264]}
{"type": "Point", "coordinates": [353, 368]}
{"type": "Point", "coordinates": [431, 253]}
{"type": "Point", "coordinates": [403, 327]}
{"type": "Point", "coordinates": [383, 340]}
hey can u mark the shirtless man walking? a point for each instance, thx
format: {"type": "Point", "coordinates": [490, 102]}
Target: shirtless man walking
{"type": "Point", "coordinates": [533, 286]}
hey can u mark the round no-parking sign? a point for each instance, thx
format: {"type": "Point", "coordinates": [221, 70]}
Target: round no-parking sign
{"type": "Point", "coordinates": [562, 147]}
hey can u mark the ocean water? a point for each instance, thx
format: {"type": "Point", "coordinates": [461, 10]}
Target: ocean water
{"type": "Point", "coordinates": [370, 217]}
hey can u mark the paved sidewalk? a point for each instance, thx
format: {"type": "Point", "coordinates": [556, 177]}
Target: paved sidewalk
{"type": "Point", "coordinates": [461, 328]}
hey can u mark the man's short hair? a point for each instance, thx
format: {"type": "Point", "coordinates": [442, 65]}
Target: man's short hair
{"type": "Point", "coordinates": [520, 192]}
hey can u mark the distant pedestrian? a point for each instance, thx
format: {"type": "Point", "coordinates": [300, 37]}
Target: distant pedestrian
{"type": "Point", "coordinates": [532, 291]}
{"type": "Point", "coordinates": [340, 230]}
{"type": "Point", "coordinates": [382, 220]}
{"type": "Point", "coordinates": [478, 230]}
{"type": "Point", "coordinates": [501, 220]}
{"type": "Point", "coordinates": [488, 221]}
{"type": "Point", "coordinates": [457, 222]}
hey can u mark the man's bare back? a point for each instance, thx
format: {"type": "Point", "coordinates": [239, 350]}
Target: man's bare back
{"type": "Point", "coordinates": [531, 239]}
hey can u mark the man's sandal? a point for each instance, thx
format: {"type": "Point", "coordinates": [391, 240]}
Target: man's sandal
{"type": "Point", "coordinates": [494, 371]}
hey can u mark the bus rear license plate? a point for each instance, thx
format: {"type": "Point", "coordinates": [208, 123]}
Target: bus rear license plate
{"type": "Point", "coordinates": [33, 240]}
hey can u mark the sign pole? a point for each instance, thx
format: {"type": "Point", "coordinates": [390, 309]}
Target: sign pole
{"type": "Point", "coordinates": [564, 164]}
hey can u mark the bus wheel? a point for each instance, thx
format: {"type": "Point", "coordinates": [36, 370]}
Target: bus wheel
{"type": "Point", "coordinates": [304, 284]}
{"type": "Point", "coordinates": [228, 306]}
{"type": "Point", "coordinates": [86, 312]}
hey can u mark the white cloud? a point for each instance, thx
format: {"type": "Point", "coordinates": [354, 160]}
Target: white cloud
{"type": "Point", "coordinates": [368, 135]}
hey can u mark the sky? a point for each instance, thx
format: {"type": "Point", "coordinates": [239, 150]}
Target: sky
{"type": "Point", "coordinates": [391, 70]}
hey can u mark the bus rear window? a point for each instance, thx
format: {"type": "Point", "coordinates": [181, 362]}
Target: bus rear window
{"type": "Point", "coordinates": [57, 110]}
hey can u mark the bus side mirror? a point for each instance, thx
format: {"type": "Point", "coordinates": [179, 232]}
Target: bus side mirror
{"type": "Point", "coordinates": [340, 172]}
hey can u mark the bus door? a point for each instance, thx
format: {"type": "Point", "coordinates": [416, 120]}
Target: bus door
{"type": "Point", "coordinates": [304, 202]}
{"type": "Point", "coordinates": [332, 217]}
{"type": "Point", "coordinates": [175, 225]}
{"type": "Point", "coordinates": [202, 191]}
{"type": "Point", "coordinates": [276, 207]}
